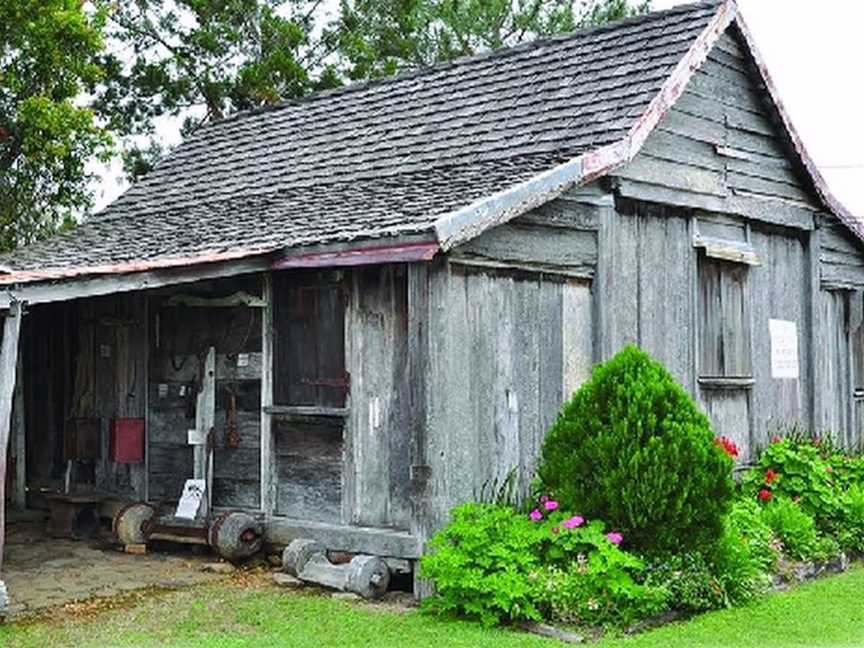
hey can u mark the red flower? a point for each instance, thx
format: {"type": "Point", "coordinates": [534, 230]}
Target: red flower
{"type": "Point", "coordinates": [765, 495]}
{"type": "Point", "coordinates": [817, 441]}
{"type": "Point", "coordinates": [728, 446]}
{"type": "Point", "coordinates": [770, 476]}
{"type": "Point", "coordinates": [776, 439]}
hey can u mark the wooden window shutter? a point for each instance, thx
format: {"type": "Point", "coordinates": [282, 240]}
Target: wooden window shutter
{"type": "Point", "coordinates": [724, 319]}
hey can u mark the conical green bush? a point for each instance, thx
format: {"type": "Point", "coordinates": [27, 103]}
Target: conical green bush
{"type": "Point", "coordinates": [632, 448]}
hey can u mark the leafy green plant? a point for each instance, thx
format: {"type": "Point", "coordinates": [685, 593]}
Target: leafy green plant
{"type": "Point", "coordinates": [745, 521]}
{"type": "Point", "coordinates": [799, 470]}
{"type": "Point", "coordinates": [851, 536]}
{"type": "Point", "coordinates": [688, 580]}
{"type": "Point", "coordinates": [632, 448]}
{"type": "Point", "coordinates": [743, 555]}
{"type": "Point", "coordinates": [485, 564]}
{"type": "Point", "coordinates": [795, 528]}
{"type": "Point", "coordinates": [497, 564]}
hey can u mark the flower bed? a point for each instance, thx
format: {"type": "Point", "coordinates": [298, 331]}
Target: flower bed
{"type": "Point", "coordinates": [606, 551]}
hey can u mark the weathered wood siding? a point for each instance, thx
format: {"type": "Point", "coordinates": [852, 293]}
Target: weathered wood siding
{"type": "Point", "coordinates": [841, 256]}
{"type": "Point", "coordinates": [505, 345]}
{"type": "Point", "coordinates": [646, 293]}
{"type": "Point", "coordinates": [833, 360]}
{"type": "Point", "coordinates": [780, 291]}
{"type": "Point", "coordinates": [719, 149]}
{"type": "Point", "coordinates": [720, 157]}
{"type": "Point", "coordinates": [378, 455]}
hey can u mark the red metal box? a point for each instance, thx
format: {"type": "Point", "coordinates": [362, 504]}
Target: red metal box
{"type": "Point", "coordinates": [127, 440]}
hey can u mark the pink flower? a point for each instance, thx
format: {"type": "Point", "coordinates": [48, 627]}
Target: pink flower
{"type": "Point", "coordinates": [544, 499]}
{"type": "Point", "coordinates": [555, 530]}
{"type": "Point", "coordinates": [776, 439]}
{"type": "Point", "coordinates": [615, 538]}
{"type": "Point", "coordinates": [573, 522]}
{"type": "Point", "coordinates": [535, 515]}
{"type": "Point", "coordinates": [550, 505]}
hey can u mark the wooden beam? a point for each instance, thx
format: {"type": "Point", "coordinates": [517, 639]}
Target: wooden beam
{"type": "Point", "coordinates": [205, 416]}
{"type": "Point", "coordinates": [772, 212]}
{"type": "Point", "coordinates": [19, 439]}
{"type": "Point", "coordinates": [268, 457]}
{"type": "Point", "coordinates": [8, 367]}
{"type": "Point", "coordinates": [93, 286]}
{"type": "Point", "coordinates": [378, 542]}
{"type": "Point", "coordinates": [372, 255]}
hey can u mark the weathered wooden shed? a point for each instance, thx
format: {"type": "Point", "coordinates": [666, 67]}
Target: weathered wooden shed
{"type": "Point", "coordinates": [403, 280]}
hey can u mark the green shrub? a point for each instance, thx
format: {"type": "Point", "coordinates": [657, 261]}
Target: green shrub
{"type": "Point", "coordinates": [632, 448]}
{"type": "Point", "coordinates": [795, 528]}
{"type": "Point", "coordinates": [688, 580]}
{"type": "Point", "coordinates": [731, 571]}
{"type": "Point", "coordinates": [497, 564]}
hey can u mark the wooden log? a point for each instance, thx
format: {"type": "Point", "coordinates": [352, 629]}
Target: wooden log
{"type": "Point", "coordinates": [368, 576]}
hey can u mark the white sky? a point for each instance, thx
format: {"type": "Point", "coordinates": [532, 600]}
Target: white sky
{"type": "Point", "coordinates": [814, 52]}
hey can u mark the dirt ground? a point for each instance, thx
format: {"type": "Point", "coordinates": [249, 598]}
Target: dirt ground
{"type": "Point", "coordinates": [42, 572]}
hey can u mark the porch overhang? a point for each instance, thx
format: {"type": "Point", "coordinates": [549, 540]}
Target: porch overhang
{"type": "Point", "coordinates": [46, 286]}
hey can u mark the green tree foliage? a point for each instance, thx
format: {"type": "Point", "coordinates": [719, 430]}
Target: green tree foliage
{"type": "Point", "coordinates": [632, 448]}
{"type": "Point", "coordinates": [381, 37]}
{"type": "Point", "coordinates": [203, 59]}
{"type": "Point", "coordinates": [48, 58]}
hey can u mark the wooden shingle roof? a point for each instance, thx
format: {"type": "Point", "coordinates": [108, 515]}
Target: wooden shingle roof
{"type": "Point", "coordinates": [442, 153]}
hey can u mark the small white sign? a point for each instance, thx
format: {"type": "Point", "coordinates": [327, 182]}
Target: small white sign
{"type": "Point", "coordinates": [242, 359]}
{"type": "Point", "coordinates": [196, 437]}
{"type": "Point", "coordinates": [163, 390]}
{"type": "Point", "coordinates": [104, 350]}
{"type": "Point", "coordinates": [784, 349]}
{"type": "Point", "coordinates": [190, 501]}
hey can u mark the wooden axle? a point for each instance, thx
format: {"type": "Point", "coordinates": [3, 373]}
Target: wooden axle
{"type": "Point", "coordinates": [234, 535]}
{"type": "Point", "coordinates": [368, 576]}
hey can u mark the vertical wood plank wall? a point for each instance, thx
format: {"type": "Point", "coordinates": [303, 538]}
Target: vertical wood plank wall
{"type": "Point", "coordinates": [378, 456]}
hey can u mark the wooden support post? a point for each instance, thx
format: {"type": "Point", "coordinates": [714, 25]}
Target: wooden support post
{"type": "Point", "coordinates": [268, 472]}
{"type": "Point", "coordinates": [205, 420]}
{"type": "Point", "coordinates": [8, 367]}
{"type": "Point", "coordinates": [19, 439]}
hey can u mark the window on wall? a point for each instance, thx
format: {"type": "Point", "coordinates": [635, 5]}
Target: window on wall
{"type": "Point", "coordinates": [724, 319]}
{"type": "Point", "coordinates": [309, 340]}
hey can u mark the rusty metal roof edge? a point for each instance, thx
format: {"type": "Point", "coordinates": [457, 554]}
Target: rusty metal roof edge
{"type": "Point", "coordinates": [469, 222]}
{"type": "Point", "coordinates": [827, 196]}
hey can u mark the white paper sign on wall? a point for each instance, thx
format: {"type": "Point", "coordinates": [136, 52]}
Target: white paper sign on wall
{"type": "Point", "coordinates": [784, 348]}
{"type": "Point", "coordinates": [190, 502]}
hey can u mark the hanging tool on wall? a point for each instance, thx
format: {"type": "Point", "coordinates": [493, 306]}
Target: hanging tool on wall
{"type": "Point", "coordinates": [232, 433]}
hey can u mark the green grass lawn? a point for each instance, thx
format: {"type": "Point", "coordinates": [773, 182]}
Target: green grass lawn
{"type": "Point", "coordinates": [828, 612]}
